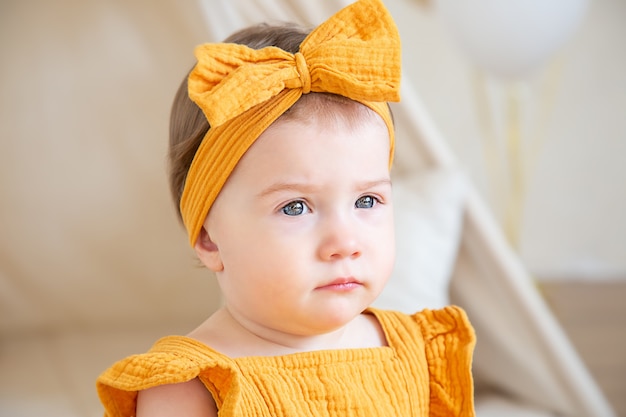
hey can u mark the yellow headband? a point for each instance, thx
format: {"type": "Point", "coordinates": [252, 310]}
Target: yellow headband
{"type": "Point", "coordinates": [242, 91]}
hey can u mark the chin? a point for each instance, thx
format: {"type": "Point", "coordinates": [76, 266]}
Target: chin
{"type": "Point", "coordinates": [331, 318]}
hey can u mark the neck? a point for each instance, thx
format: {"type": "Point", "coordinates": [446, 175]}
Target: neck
{"type": "Point", "coordinates": [237, 337]}
{"type": "Point", "coordinates": [271, 341]}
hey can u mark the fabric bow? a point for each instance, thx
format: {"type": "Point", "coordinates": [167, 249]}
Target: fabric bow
{"type": "Point", "coordinates": [242, 91]}
{"type": "Point", "coordinates": [356, 54]}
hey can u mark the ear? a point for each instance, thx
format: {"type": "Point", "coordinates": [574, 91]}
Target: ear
{"type": "Point", "coordinates": [208, 252]}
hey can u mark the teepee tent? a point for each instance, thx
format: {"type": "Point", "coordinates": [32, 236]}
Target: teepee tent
{"type": "Point", "coordinates": [524, 364]}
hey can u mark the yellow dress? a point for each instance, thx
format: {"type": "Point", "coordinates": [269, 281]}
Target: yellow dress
{"type": "Point", "coordinates": [424, 371]}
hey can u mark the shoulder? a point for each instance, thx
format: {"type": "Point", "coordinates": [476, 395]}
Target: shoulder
{"type": "Point", "coordinates": [450, 320]}
{"type": "Point", "coordinates": [449, 325]}
{"type": "Point", "coordinates": [170, 369]}
{"type": "Point", "coordinates": [171, 360]}
{"type": "Point", "coordinates": [443, 341]}
{"type": "Point", "coordinates": [449, 344]}
{"type": "Point", "coordinates": [189, 398]}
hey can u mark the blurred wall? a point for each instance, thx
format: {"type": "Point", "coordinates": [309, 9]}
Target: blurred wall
{"type": "Point", "coordinates": [89, 233]}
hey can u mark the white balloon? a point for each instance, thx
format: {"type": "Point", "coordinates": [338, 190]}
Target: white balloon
{"type": "Point", "coordinates": [511, 38]}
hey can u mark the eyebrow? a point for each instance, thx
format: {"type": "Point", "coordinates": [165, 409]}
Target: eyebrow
{"type": "Point", "coordinates": [373, 184]}
{"type": "Point", "coordinates": [286, 186]}
{"type": "Point", "coordinates": [307, 188]}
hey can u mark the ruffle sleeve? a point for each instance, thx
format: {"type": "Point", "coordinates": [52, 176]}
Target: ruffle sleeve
{"type": "Point", "coordinates": [449, 344]}
{"type": "Point", "coordinates": [169, 361]}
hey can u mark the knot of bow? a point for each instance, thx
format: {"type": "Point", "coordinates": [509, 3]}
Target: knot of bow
{"type": "Point", "coordinates": [356, 54]}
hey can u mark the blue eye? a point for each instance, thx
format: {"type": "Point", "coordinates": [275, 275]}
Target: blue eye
{"type": "Point", "coordinates": [295, 208]}
{"type": "Point", "coordinates": [367, 201]}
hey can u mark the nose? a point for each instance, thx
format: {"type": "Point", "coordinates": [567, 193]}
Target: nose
{"type": "Point", "coordinates": [340, 239]}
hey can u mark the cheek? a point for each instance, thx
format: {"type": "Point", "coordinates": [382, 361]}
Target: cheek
{"type": "Point", "coordinates": [263, 252]}
{"type": "Point", "coordinates": [386, 244]}
{"type": "Point", "coordinates": [390, 249]}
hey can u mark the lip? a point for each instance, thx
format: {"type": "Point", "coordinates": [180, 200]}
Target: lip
{"type": "Point", "coordinates": [341, 284]}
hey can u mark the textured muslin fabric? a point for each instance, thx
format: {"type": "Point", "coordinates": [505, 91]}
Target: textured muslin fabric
{"type": "Point", "coordinates": [424, 371]}
{"type": "Point", "coordinates": [242, 91]}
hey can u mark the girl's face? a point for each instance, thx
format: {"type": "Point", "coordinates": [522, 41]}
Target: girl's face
{"type": "Point", "coordinates": [303, 229]}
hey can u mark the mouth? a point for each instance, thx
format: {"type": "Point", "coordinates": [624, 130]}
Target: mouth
{"type": "Point", "coordinates": [341, 284]}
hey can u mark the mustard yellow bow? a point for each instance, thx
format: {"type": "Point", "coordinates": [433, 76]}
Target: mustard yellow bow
{"type": "Point", "coordinates": [356, 54]}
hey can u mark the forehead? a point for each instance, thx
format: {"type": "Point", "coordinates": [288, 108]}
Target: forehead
{"type": "Point", "coordinates": [337, 136]}
{"type": "Point", "coordinates": [329, 109]}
